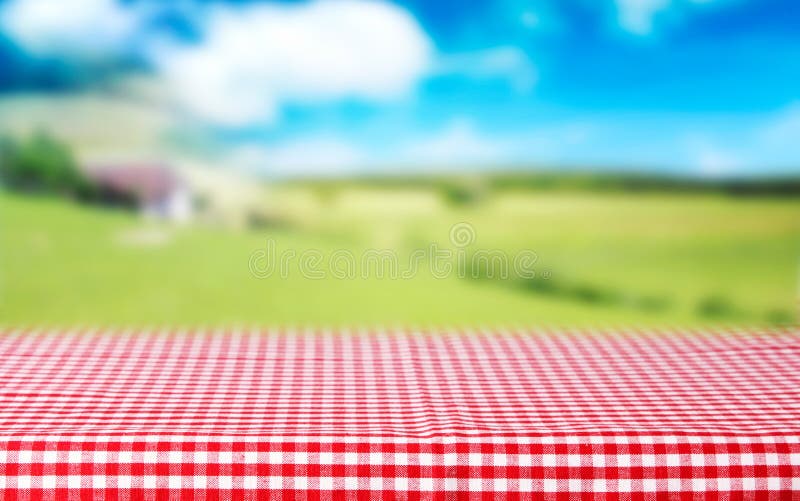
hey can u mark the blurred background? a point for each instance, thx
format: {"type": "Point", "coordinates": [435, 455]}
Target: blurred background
{"type": "Point", "coordinates": [648, 152]}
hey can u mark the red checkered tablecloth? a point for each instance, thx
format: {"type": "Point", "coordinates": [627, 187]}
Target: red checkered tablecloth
{"type": "Point", "coordinates": [254, 414]}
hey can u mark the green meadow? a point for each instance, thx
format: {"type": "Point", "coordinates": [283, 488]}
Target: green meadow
{"type": "Point", "coordinates": [601, 258]}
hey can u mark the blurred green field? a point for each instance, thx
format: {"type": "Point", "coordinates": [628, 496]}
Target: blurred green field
{"type": "Point", "coordinates": [609, 258]}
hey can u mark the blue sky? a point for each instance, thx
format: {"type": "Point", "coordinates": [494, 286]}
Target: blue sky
{"type": "Point", "coordinates": [695, 87]}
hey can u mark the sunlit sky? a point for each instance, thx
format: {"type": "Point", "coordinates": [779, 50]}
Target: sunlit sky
{"type": "Point", "coordinates": [697, 87]}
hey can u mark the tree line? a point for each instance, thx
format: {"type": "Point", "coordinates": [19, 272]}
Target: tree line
{"type": "Point", "coordinates": [40, 163]}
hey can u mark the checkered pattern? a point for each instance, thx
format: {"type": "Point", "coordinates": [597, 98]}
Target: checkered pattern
{"type": "Point", "coordinates": [249, 414]}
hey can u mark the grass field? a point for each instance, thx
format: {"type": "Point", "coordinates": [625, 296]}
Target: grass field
{"type": "Point", "coordinates": [608, 258]}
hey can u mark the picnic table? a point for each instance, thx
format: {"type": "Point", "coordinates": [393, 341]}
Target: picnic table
{"type": "Point", "coordinates": [393, 413]}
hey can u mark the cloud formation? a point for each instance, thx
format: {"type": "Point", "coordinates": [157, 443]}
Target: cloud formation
{"type": "Point", "coordinates": [505, 62]}
{"type": "Point", "coordinates": [75, 28]}
{"type": "Point", "coordinates": [636, 16]}
{"type": "Point", "coordinates": [254, 58]}
{"type": "Point", "coordinates": [317, 155]}
{"type": "Point", "coordinates": [458, 144]}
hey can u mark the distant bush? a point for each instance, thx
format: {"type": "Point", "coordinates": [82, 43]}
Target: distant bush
{"type": "Point", "coordinates": [639, 182]}
{"type": "Point", "coordinates": [780, 317]}
{"type": "Point", "coordinates": [540, 286]}
{"type": "Point", "coordinates": [260, 219]}
{"type": "Point", "coordinates": [594, 294]}
{"type": "Point", "coordinates": [463, 191]}
{"type": "Point", "coordinates": [715, 307]}
{"type": "Point", "coordinates": [41, 164]}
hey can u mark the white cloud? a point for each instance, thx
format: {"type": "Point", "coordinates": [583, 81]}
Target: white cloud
{"type": "Point", "coordinates": [255, 58]}
{"type": "Point", "coordinates": [767, 146]}
{"type": "Point", "coordinates": [636, 16]}
{"type": "Point", "coordinates": [458, 144]}
{"type": "Point", "coordinates": [783, 128]}
{"type": "Point", "coordinates": [776, 143]}
{"type": "Point", "coordinates": [504, 62]}
{"type": "Point", "coordinates": [84, 28]}
{"type": "Point", "coordinates": [317, 155]}
{"type": "Point", "coordinates": [530, 19]}
{"type": "Point", "coordinates": [714, 161]}
{"type": "Point", "coordinates": [639, 16]}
